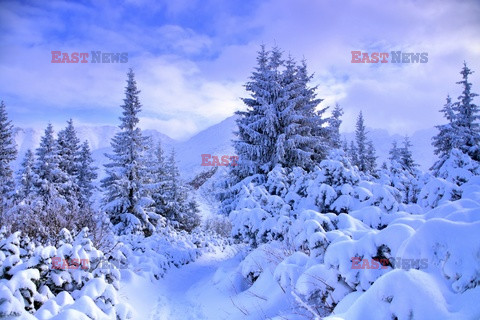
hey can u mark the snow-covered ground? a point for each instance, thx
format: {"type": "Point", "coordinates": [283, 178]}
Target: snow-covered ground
{"type": "Point", "coordinates": [193, 291]}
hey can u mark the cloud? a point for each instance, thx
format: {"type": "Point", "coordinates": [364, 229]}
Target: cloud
{"type": "Point", "coordinates": [177, 129]}
{"type": "Point", "coordinates": [192, 58]}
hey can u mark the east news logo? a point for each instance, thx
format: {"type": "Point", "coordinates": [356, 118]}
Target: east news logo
{"type": "Point", "coordinates": [96, 57]}
{"type": "Point", "coordinates": [382, 57]}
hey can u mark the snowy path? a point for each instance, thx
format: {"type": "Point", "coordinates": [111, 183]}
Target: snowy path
{"type": "Point", "coordinates": [189, 292]}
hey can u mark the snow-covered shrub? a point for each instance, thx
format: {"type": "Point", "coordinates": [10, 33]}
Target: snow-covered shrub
{"type": "Point", "coordinates": [327, 188]}
{"type": "Point", "coordinates": [36, 275]}
{"type": "Point", "coordinates": [219, 224]}
{"type": "Point", "coordinates": [154, 255]}
{"type": "Point", "coordinates": [265, 257]}
{"type": "Point", "coordinates": [257, 220]}
{"type": "Point", "coordinates": [458, 168]}
{"type": "Point", "coordinates": [408, 181]}
{"type": "Point", "coordinates": [438, 191]}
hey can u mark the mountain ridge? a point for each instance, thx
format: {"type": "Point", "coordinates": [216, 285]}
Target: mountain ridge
{"type": "Point", "coordinates": [214, 140]}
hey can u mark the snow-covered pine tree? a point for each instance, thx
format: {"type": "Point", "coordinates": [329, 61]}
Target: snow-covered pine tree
{"type": "Point", "coordinates": [361, 143]}
{"type": "Point", "coordinates": [157, 171]}
{"type": "Point", "coordinates": [362, 151]}
{"type": "Point", "coordinates": [402, 173]}
{"type": "Point", "coordinates": [307, 140]}
{"type": "Point", "coordinates": [467, 117]}
{"type": "Point", "coordinates": [406, 156]}
{"type": "Point", "coordinates": [68, 149]}
{"type": "Point", "coordinates": [345, 146]}
{"type": "Point", "coordinates": [26, 176]}
{"type": "Point", "coordinates": [126, 199]}
{"type": "Point", "coordinates": [463, 128]}
{"type": "Point", "coordinates": [180, 210]}
{"type": "Point", "coordinates": [394, 152]}
{"type": "Point", "coordinates": [50, 178]}
{"type": "Point", "coordinates": [371, 158]}
{"type": "Point", "coordinates": [258, 121]}
{"type": "Point", "coordinates": [334, 127]}
{"type": "Point", "coordinates": [280, 125]}
{"type": "Point", "coordinates": [353, 153]}
{"type": "Point", "coordinates": [51, 208]}
{"type": "Point", "coordinates": [86, 174]}
{"type": "Point", "coordinates": [446, 139]}
{"type": "Point", "coordinates": [8, 152]}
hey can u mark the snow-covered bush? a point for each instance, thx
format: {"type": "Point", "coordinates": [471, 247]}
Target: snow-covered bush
{"type": "Point", "coordinates": [437, 191]}
{"type": "Point", "coordinates": [154, 255]}
{"type": "Point", "coordinates": [35, 279]}
{"type": "Point", "coordinates": [260, 215]}
{"type": "Point", "coordinates": [219, 224]}
{"type": "Point", "coordinates": [458, 168]}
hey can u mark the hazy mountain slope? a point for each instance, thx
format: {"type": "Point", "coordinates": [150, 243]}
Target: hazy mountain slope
{"type": "Point", "coordinates": [421, 140]}
{"type": "Point", "coordinates": [215, 140]}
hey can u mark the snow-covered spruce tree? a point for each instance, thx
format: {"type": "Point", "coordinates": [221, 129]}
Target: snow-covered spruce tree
{"type": "Point", "coordinates": [371, 159]}
{"type": "Point", "coordinates": [86, 174]}
{"type": "Point", "coordinates": [363, 152]}
{"type": "Point", "coordinates": [180, 210]}
{"type": "Point", "coordinates": [26, 176]}
{"type": "Point", "coordinates": [126, 199]}
{"type": "Point", "coordinates": [157, 178]}
{"type": "Point", "coordinates": [353, 153]}
{"type": "Point", "coordinates": [446, 138]}
{"type": "Point", "coordinates": [402, 172]}
{"type": "Point", "coordinates": [361, 143]}
{"type": "Point", "coordinates": [394, 152]}
{"type": "Point", "coordinates": [406, 156]}
{"type": "Point", "coordinates": [19, 217]}
{"type": "Point", "coordinates": [50, 178]}
{"type": "Point", "coordinates": [334, 127]}
{"type": "Point", "coordinates": [8, 152]}
{"type": "Point", "coordinates": [463, 128]}
{"type": "Point", "coordinates": [467, 119]}
{"type": "Point", "coordinates": [280, 125]}
{"type": "Point", "coordinates": [68, 148]}
{"type": "Point", "coordinates": [49, 208]}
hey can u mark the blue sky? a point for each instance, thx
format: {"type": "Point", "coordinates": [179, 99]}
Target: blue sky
{"type": "Point", "coordinates": [192, 58]}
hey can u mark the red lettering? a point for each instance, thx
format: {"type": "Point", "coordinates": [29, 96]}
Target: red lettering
{"type": "Point", "coordinates": [365, 58]}
{"type": "Point", "coordinates": [215, 161]}
{"type": "Point", "coordinates": [356, 263]}
{"type": "Point", "coordinates": [384, 56]}
{"type": "Point", "coordinates": [84, 56]}
{"type": "Point", "coordinates": [84, 263]}
{"type": "Point", "coordinates": [55, 55]}
{"type": "Point", "coordinates": [65, 58]}
{"type": "Point", "coordinates": [224, 161]}
{"type": "Point", "coordinates": [234, 160]}
{"type": "Point", "coordinates": [75, 57]}
{"type": "Point", "coordinates": [365, 264]}
{"type": "Point", "coordinates": [205, 158]}
{"type": "Point", "coordinates": [375, 57]}
{"type": "Point", "coordinates": [56, 263]}
{"type": "Point", "coordinates": [375, 264]}
{"type": "Point", "coordinates": [355, 56]}
{"type": "Point", "coordinates": [74, 264]}
{"type": "Point", "coordinates": [384, 262]}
